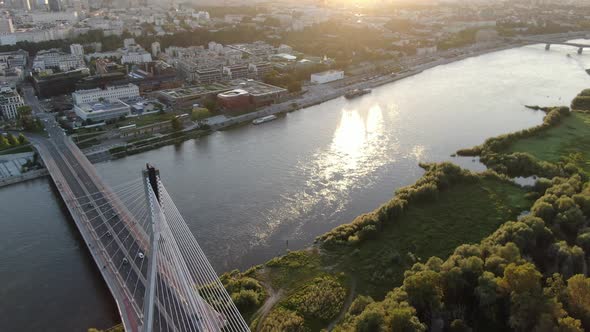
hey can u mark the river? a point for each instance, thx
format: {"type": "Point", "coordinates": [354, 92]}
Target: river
{"type": "Point", "coordinates": [251, 192]}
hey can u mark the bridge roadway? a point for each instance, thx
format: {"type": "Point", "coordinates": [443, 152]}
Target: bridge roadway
{"type": "Point", "coordinates": [112, 234]}
{"type": "Point", "coordinates": [76, 179]}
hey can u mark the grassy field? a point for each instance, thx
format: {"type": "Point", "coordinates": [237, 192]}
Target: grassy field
{"type": "Point", "coordinates": [569, 141]}
{"type": "Point", "coordinates": [16, 149]}
{"type": "Point", "coordinates": [466, 213]}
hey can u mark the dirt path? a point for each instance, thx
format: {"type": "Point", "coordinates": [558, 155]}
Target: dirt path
{"type": "Point", "coordinates": [346, 305]}
{"type": "Point", "coordinates": [273, 298]}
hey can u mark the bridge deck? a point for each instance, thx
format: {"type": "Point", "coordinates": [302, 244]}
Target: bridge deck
{"type": "Point", "coordinates": [115, 238]}
{"type": "Point", "coordinates": [75, 179]}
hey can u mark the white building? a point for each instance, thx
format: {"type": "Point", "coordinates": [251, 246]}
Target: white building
{"type": "Point", "coordinates": [36, 35]}
{"type": "Point", "coordinates": [57, 59]}
{"type": "Point", "coordinates": [98, 112]}
{"type": "Point", "coordinates": [77, 49]}
{"type": "Point", "coordinates": [327, 76]}
{"type": "Point", "coordinates": [10, 101]}
{"type": "Point", "coordinates": [111, 93]}
{"type": "Point", "coordinates": [136, 57]}
{"type": "Point", "coordinates": [156, 49]}
{"type": "Point", "coordinates": [52, 17]}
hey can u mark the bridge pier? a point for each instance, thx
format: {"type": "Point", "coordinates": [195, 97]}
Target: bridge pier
{"type": "Point", "coordinates": [580, 50]}
{"type": "Point", "coordinates": [547, 47]}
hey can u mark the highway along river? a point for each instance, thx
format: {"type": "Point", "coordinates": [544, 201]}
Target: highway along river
{"type": "Point", "coordinates": [250, 192]}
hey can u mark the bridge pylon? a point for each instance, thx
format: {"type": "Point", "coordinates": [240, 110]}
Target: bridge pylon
{"type": "Point", "coordinates": [547, 47]}
{"type": "Point", "coordinates": [152, 194]}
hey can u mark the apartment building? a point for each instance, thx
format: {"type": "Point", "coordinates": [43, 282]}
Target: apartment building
{"type": "Point", "coordinates": [111, 93]}
{"type": "Point", "coordinates": [55, 58]}
{"type": "Point", "coordinates": [10, 101]}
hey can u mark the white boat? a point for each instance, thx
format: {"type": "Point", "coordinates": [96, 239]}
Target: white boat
{"type": "Point", "coordinates": [264, 119]}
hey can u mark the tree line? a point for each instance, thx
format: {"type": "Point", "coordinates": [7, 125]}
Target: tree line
{"type": "Point", "coordinates": [529, 275]}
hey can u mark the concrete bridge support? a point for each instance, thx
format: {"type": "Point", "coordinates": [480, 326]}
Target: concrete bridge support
{"type": "Point", "coordinates": [547, 47]}
{"type": "Point", "coordinates": [580, 50]}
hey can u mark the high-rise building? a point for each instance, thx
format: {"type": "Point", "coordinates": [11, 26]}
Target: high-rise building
{"type": "Point", "coordinates": [77, 49]}
{"type": "Point", "coordinates": [156, 49]}
{"type": "Point", "coordinates": [6, 25]}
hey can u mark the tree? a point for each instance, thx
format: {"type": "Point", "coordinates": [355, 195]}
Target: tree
{"type": "Point", "coordinates": [246, 300]}
{"type": "Point", "coordinates": [282, 319]}
{"type": "Point", "coordinates": [22, 139]}
{"type": "Point", "coordinates": [176, 124]}
{"type": "Point", "coordinates": [569, 324]}
{"type": "Point", "coordinates": [530, 307]}
{"type": "Point", "coordinates": [25, 114]}
{"type": "Point", "coordinates": [459, 325]}
{"type": "Point", "coordinates": [404, 319]}
{"type": "Point", "coordinates": [211, 105]}
{"type": "Point", "coordinates": [294, 86]}
{"type": "Point", "coordinates": [3, 142]}
{"type": "Point", "coordinates": [371, 320]}
{"type": "Point", "coordinates": [12, 140]}
{"type": "Point", "coordinates": [359, 304]}
{"type": "Point", "coordinates": [521, 278]}
{"type": "Point", "coordinates": [578, 298]}
{"type": "Point", "coordinates": [424, 292]}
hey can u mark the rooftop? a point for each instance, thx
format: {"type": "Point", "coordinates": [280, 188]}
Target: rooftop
{"type": "Point", "coordinates": [255, 88]}
{"type": "Point", "coordinates": [102, 107]}
{"type": "Point", "coordinates": [328, 72]}
{"type": "Point", "coordinates": [113, 87]}
{"type": "Point", "coordinates": [195, 90]}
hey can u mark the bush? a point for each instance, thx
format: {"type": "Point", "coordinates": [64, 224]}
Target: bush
{"type": "Point", "coordinates": [322, 299]}
{"type": "Point", "coordinates": [246, 300]}
{"type": "Point", "coordinates": [581, 102]}
{"type": "Point", "coordinates": [359, 304]}
{"type": "Point", "coordinates": [284, 320]}
{"type": "Point", "coordinates": [247, 293]}
{"type": "Point", "coordinates": [371, 320]}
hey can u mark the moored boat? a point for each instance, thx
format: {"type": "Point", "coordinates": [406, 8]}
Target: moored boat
{"type": "Point", "coordinates": [264, 119]}
{"type": "Point", "coordinates": [356, 93]}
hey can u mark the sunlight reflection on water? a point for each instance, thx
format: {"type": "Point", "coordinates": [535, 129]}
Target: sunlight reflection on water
{"type": "Point", "coordinates": [360, 145]}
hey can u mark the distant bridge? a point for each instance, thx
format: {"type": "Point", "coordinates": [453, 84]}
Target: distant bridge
{"type": "Point", "coordinates": [548, 41]}
{"type": "Point", "coordinates": [158, 275]}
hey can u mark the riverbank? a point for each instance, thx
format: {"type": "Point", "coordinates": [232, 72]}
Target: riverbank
{"type": "Point", "coordinates": [314, 96]}
{"type": "Point", "coordinates": [23, 177]}
{"type": "Point", "coordinates": [14, 168]}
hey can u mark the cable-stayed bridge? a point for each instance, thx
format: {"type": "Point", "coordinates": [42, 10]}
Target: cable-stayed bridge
{"type": "Point", "coordinates": [156, 271]}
